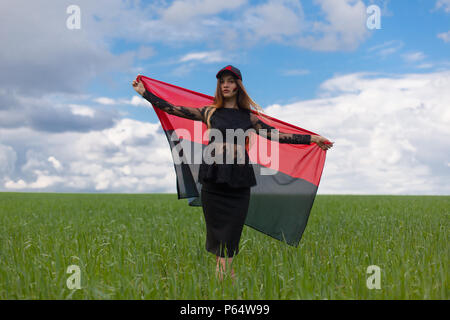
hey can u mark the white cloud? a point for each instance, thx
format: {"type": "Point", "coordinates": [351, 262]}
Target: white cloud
{"type": "Point", "coordinates": [183, 69]}
{"type": "Point", "coordinates": [54, 113]}
{"type": "Point", "coordinates": [386, 48]}
{"type": "Point", "coordinates": [134, 101]}
{"type": "Point", "coordinates": [238, 23]}
{"type": "Point", "coordinates": [132, 156]}
{"type": "Point", "coordinates": [56, 164]}
{"type": "Point", "coordinates": [11, 185]}
{"type": "Point", "coordinates": [391, 133]}
{"type": "Point", "coordinates": [345, 27]}
{"type": "Point", "coordinates": [425, 66]}
{"type": "Point", "coordinates": [413, 56]}
{"type": "Point", "coordinates": [105, 100]}
{"type": "Point", "coordinates": [444, 5]}
{"type": "Point", "coordinates": [82, 110]}
{"type": "Point", "coordinates": [205, 57]}
{"type": "Point", "coordinates": [445, 36]}
{"type": "Point", "coordinates": [182, 11]}
{"type": "Point", "coordinates": [274, 20]}
{"type": "Point", "coordinates": [145, 52]}
{"type": "Point", "coordinates": [138, 101]}
{"type": "Point", "coordinates": [54, 58]}
{"type": "Point", "coordinates": [8, 158]}
{"type": "Point", "coordinates": [43, 44]}
{"type": "Point", "coordinates": [44, 181]}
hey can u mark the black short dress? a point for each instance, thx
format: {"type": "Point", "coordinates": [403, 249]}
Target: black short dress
{"type": "Point", "coordinates": [225, 193]}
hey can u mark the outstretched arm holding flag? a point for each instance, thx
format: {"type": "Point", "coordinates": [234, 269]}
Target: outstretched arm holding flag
{"type": "Point", "coordinates": [292, 138]}
{"type": "Point", "coordinates": [180, 111]}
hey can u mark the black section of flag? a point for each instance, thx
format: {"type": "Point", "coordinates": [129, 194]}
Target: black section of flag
{"type": "Point", "coordinates": [279, 205]}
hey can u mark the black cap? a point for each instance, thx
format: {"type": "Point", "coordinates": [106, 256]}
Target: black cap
{"type": "Point", "coordinates": [232, 69]}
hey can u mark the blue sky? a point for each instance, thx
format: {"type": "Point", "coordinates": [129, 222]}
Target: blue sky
{"type": "Point", "coordinates": [71, 122]}
{"type": "Point", "coordinates": [408, 29]}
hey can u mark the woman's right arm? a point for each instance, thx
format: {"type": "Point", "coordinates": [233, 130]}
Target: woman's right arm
{"type": "Point", "coordinates": [180, 111]}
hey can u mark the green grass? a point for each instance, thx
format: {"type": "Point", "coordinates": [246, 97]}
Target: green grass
{"type": "Point", "coordinates": [153, 247]}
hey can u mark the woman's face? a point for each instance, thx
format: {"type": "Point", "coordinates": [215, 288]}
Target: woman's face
{"type": "Point", "coordinates": [228, 86]}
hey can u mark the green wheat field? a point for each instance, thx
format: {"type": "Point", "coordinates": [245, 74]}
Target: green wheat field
{"type": "Point", "coordinates": [152, 246]}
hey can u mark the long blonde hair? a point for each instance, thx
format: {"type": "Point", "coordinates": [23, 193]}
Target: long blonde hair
{"type": "Point", "coordinates": [243, 101]}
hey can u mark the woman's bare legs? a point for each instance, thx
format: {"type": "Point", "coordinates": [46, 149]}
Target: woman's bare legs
{"type": "Point", "coordinates": [221, 267]}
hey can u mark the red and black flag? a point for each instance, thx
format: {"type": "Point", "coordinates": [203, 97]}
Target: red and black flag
{"type": "Point", "coordinates": [281, 202]}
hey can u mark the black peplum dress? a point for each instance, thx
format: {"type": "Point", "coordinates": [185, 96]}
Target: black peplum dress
{"type": "Point", "coordinates": [226, 184]}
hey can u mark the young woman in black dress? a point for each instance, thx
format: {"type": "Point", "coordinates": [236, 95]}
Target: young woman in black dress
{"type": "Point", "coordinates": [225, 192]}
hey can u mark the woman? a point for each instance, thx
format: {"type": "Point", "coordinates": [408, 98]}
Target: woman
{"type": "Point", "coordinates": [225, 192]}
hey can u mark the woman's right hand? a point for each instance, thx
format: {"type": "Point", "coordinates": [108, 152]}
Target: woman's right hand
{"type": "Point", "coordinates": [139, 87]}
{"type": "Point", "coordinates": [322, 142]}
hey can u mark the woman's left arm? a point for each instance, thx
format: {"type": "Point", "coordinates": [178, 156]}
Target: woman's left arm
{"type": "Point", "coordinates": [284, 137]}
{"type": "Point", "coordinates": [271, 133]}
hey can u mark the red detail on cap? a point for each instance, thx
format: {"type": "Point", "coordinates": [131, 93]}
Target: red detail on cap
{"type": "Point", "coordinates": [229, 68]}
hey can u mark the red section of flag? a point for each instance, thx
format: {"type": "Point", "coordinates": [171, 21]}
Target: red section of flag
{"type": "Point", "coordinates": [296, 160]}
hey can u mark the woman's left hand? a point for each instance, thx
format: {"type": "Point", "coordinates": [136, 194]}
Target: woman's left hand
{"type": "Point", "coordinates": [322, 142]}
